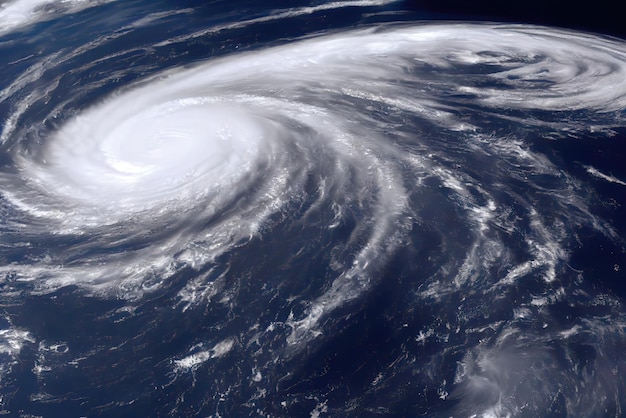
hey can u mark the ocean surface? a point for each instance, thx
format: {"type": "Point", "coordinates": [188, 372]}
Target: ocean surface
{"type": "Point", "coordinates": [320, 209]}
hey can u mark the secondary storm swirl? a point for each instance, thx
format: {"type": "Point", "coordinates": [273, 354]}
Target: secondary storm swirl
{"type": "Point", "coordinates": [377, 132]}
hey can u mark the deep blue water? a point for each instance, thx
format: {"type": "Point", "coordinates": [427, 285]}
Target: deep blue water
{"type": "Point", "coordinates": [396, 241]}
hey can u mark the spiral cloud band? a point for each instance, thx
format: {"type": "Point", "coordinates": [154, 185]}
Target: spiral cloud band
{"type": "Point", "coordinates": [381, 141]}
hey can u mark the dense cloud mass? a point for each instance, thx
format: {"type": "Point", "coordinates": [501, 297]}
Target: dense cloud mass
{"type": "Point", "coordinates": [371, 219]}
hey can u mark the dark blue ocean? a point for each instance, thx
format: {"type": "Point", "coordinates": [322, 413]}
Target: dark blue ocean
{"type": "Point", "coordinates": [310, 209]}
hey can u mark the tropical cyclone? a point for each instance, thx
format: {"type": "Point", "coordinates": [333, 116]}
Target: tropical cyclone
{"type": "Point", "coordinates": [403, 137]}
{"type": "Point", "coordinates": [195, 141]}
